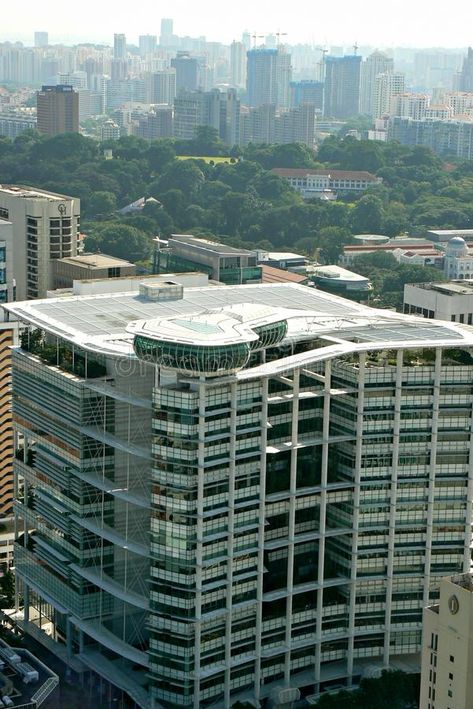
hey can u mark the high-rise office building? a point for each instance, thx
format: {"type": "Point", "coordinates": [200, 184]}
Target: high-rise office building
{"type": "Point", "coordinates": [41, 39]}
{"type": "Point", "coordinates": [167, 29]}
{"type": "Point", "coordinates": [376, 63]}
{"type": "Point", "coordinates": [237, 493]}
{"type": "Point", "coordinates": [386, 87]}
{"type": "Point", "coordinates": [466, 75]}
{"type": "Point", "coordinates": [45, 227]}
{"type": "Point", "coordinates": [162, 87]}
{"type": "Point", "coordinates": [147, 44]}
{"type": "Point", "coordinates": [119, 46]}
{"type": "Point", "coordinates": [342, 86]}
{"type": "Point", "coordinates": [187, 72]}
{"type": "Point", "coordinates": [238, 64]}
{"type": "Point", "coordinates": [57, 110]}
{"type": "Point", "coordinates": [268, 73]}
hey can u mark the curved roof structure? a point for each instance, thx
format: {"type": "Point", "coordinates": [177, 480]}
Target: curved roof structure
{"type": "Point", "coordinates": [233, 315]}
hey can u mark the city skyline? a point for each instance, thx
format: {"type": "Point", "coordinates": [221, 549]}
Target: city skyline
{"type": "Point", "coordinates": [297, 23]}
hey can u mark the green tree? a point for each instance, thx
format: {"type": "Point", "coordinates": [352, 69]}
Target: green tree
{"type": "Point", "coordinates": [184, 175]}
{"type": "Point", "coordinates": [101, 203]}
{"type": "Point", "coordinates": [367, 216]}
{"type": "Point", "coordinates": [7, 587]}
{"type": "Point", "coordinates": [120, 240]}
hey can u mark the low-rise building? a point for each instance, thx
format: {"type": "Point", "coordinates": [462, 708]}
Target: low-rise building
{"type": "Point", "coordinates": [310, 182]}
{"type": "Point", "coordinates": [282, 259]}
{"type": "Point", "coordinates": [89, 266]}
{"type": "Point", "coordinates": [397, 247]}
{"type": "Point", "coordinates": [184, 253]}
{"type": "Point", "coordinates": [447, 647]}
{"type": "Point", "coordinates": [334, 279]}
{"type": "Point", "coordinates": [440, 301]}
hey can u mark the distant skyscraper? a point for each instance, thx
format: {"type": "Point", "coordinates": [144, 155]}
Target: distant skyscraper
{"type": "Point", "coordinates": [147, 44]}
{"type": "Point", "coordinates": [342, 86]}
{"type": "Point", "coordinates": [162, 87]}
{"type": "Point", "coordinates": [466, 76]}
{"type": "Point", "coordinates": [119, 46]}
{"type": "Point", "coordinates": [58, 110]}
{"type": "Point", "coordinates": [167, 30]}
{"type": "Point", "coordinates": [386, 87]}
{"type": "Point", "coordinates": [307, 92]}
{"type": "Point", "coordinates": [238, 64]}
{"type": "Point", "coordinates": [268, 76]}
{"type": "Point", "coordinates": [187, 72]}
{"type": "Point", "coordinates": [376, 63]}
{"type": "Point", "coordinates": [41, 39]}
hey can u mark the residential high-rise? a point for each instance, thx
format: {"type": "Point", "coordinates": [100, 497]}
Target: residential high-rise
{"type": "Point", "coordinates": [57, 110]}
{"type": "Point", "coordinates": [216, 109]}
{"type": "Point", "coordinates": [447, 654]}
{"type": "Point", "coordinates": [119, 46]}
{"type": "Point", "coordinates": [386, 86]}
{"type": "Point", "coordinates": [296, 125]}
{"type": "Point", "coordinates": [342, 86]}
{"type": "Point", "coordinates": [238, 64]}
{"type": "Point", "coordinates": [45, 227]}
{"type": "Point", "coordinates": [307, 91]}
{"type": "Point", "coordinates": [409, 105]}
{"type": "Point", "coordinates": [237, 493]}
{"type": "Point", "coordinates": [41, 39]}
{"type": "Point", "coordinates": [376, 63]}
{"type": "Point", "coordinates": [268, 77]}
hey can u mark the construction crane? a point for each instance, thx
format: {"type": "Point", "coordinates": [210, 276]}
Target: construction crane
{"type": "Point", "coordinates": [254, 37]}
{"type": "Point", "coordinates": [280, 34]}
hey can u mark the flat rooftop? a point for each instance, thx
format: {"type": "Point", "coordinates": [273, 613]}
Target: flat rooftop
{"type": "Point", "coordinates": [99, 261]}
{"type": "Point", "coordinates": [99, 322]}
{"type": "Point", "coordinates": [214, 246]}
{"type": "Point", "coordinates": [452, 288]}
{"type": "Point", "coordinates": [32, 193]}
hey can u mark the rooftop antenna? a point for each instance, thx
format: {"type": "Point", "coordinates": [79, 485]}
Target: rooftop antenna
{"type": "Point", "coordinates": [355, 48]}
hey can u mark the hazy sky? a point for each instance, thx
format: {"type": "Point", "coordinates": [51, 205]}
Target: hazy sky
{"type": "Point", "coordinates": [420, 23]}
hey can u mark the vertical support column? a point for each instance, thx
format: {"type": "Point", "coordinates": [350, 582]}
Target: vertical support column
{"type": "Point", "coordinates": [69, 634]}
{"type": "Point", "coordinates": [469, 504]}
{"type": "Point", "coordinates": [356, 514]}
{"type": "Point", "coordinates": [432, 471]}
{"type": "Point", "coordinates": [261, 524]}
{"type": "Point", "coordinates": [292, 522]}
{"type": "Point", "coordinates": [230, 539]}
{"type": "Point", "coordinates": [393, 506]}
{"type": "Point", "coordinates": [199, 540]}
{"type": "Point", "coordinates": [26, 600]}
{"type": "Point", "coordinates": [322, 521]}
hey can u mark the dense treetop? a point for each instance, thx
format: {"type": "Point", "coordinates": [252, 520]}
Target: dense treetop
{"type": "Point", "coordinates": [240, 202]}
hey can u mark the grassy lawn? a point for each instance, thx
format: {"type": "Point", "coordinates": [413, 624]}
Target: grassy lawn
{"type": "Point", "coordinates": [209, 159]}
